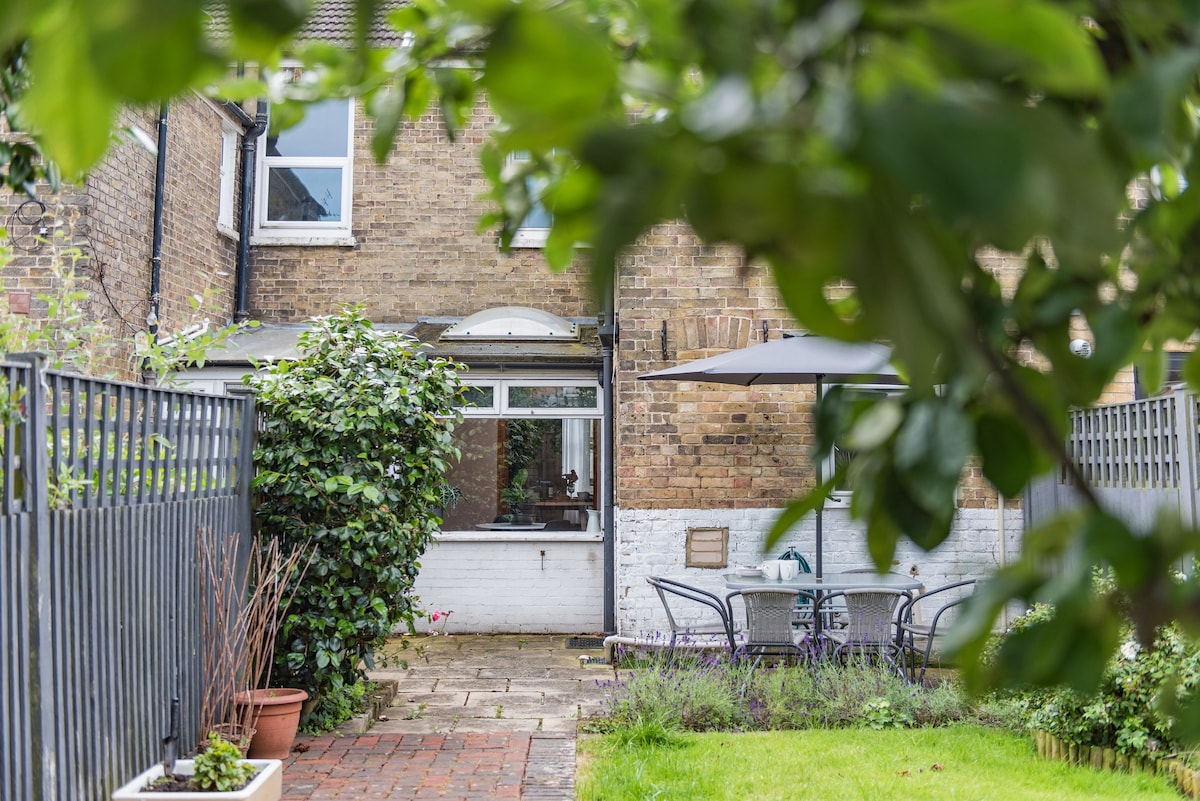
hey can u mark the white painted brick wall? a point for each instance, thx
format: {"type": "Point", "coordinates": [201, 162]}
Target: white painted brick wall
{"type": "Point", "coordinates": [509, 587]}
{"type": "Point", "coordinates": [651, 542]}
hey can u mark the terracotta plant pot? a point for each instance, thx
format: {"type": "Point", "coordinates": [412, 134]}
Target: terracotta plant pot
{"type": "Point", "coordinates": [275, 717]}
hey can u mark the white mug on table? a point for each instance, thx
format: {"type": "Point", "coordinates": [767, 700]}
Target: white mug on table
{"type": "Point", "coordinates": [770, 569]}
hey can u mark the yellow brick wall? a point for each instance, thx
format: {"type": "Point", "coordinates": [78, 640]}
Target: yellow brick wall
{"type": "Point", "coordinates": [418, 252]}
{"type": "Point", "coordinates": [110, 218]}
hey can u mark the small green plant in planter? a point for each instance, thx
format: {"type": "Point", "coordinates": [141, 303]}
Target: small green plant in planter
{"type": "Point", "coordinates": [518, 498]}
{"type": "Point", "coordinates": [218, 769]}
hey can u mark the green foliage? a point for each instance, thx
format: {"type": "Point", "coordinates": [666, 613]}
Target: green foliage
{"type": "Point", "coordinates": [875, 147]}
{"type": "Point", "coordinates": [21, 164]}
{"type": "Point", "coordinates": [517, 492]}
{"type": "Point", "coordinates": [75, 338]}
{"type": "Point", "coordinates": [166, 353]}
{"type": "Point", "coordinates": [351, 457]}
{"type": "Point", "coordinates": [523, 440]}
{"type": "Point", "coordinates": [220, 767]}
{"type": "Point", "coordinates": [707, 694]}
{"type": "Point", "coordinates": [69, 334]}
{"type": "Point", "coordinates": [878, 714]}
{"type": "Point", "coordinates": [337, 706]}
{"type": "Point", "coordinates": [1145, 702]}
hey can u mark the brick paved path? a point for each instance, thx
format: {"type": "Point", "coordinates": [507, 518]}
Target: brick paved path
{"type": "Point", "coordinates": [474, 718]}
{"type": "Point", "coordinates": [400, 767]}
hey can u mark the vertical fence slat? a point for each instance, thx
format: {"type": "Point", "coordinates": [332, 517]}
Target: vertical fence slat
{"type": "Point", "coordinates": [99, 598]}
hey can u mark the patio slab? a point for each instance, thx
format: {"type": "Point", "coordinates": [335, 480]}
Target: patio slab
{"type": "Point", "coordinates": [440, 737]}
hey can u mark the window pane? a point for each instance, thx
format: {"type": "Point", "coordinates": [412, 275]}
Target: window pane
{"type": "Point", "coordinates": [539, 216]}
{"type": "Point", "coordinates": [552, 397]}
{"type": "Point", "coordinates": [544, 452]}
{"type": "Point", "coordinates": [843, 457]}
{"type": "Point", "coordinates": [304, 194]}
{"type": "Point", "coordinates": [324, 131]}
{"type": "Point", "coordinates": [481, 397]}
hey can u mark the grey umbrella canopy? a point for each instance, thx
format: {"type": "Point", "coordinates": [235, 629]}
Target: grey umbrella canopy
{"type": "Point", "coordinates": [793, 360]}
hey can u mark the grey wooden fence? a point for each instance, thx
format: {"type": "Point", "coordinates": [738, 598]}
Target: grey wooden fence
{"type": "Point", "coordinates": [1138, 457]}
{"type": "Point", "coordinates": [104, 487]}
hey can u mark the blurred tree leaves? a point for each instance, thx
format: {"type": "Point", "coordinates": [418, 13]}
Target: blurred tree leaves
{"type": "Point", "coordinates": [874, 145]}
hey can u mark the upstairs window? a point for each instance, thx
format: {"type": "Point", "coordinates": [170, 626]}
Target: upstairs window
{"type": "Point", "coordinates": [535, 228]}
{"type": "Point", "coordinates": [842, 455]}
{"type": "Point", "coordinates": [304, 189]}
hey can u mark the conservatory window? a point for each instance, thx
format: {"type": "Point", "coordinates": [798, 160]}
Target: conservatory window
{"type": "Point", "coordinates": [529, 458]}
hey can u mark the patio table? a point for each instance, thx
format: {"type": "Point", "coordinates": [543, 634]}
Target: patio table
{"type": "Point", "coordinates": [830, 582]}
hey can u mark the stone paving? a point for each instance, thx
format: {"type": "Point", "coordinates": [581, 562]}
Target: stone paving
{"type": "Point", "coordinates": [474, 717]}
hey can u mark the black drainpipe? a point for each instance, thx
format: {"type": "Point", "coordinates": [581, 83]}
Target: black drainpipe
{"type": "Point", "coordinates": [249, 162]}
{"type": "Point", "coordinates": [160, 180]}
{"type": "Point", "coordinates": [608, 334]}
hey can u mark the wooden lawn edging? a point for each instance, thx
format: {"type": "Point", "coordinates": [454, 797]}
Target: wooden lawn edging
{"type": "Point", "coordinates": [1100, 758]}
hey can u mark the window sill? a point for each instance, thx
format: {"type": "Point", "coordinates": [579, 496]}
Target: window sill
{"type": "Point", "coordinates": [520, 536]}
{"type": "Point", "coordinates": [530, 238]}
{"type": "Point", "coordinates": [310, 240]}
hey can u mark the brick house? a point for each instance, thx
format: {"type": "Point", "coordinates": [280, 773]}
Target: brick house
{"type": "Point", "coordinates": [666, 470]}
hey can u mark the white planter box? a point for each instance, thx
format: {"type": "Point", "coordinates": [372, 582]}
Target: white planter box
{"type": "Point", "coordinates": [267, 785]}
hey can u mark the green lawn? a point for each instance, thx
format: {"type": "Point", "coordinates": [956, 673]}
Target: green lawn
{"type": "Point", "coordinates": [956, 762]}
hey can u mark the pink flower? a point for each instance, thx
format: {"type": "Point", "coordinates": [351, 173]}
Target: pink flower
{"type": "Point", "coordinates": [435, 616]}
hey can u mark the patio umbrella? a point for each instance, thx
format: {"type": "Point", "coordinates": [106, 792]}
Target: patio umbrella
{"type": "Point", "coordinates": [793, 360]}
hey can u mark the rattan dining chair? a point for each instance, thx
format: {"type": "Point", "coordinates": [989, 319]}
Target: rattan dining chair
{"type": "Point", "coordinates": [918, 639]}
{"type": "Point", "coordinates": [769, 631]}
{"type": "Point", "coordinates": [835, 614]}
{"type": "Point", "coordinates": [701, 618]}
{"type": "Point", "coordinates": [869, 633]}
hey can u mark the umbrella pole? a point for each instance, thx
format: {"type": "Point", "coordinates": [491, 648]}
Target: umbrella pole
{"type": "Point", "coordinates": [817, 544]}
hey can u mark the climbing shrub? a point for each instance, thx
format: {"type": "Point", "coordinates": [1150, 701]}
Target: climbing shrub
{"type": "Point", "coordinates": [352, 452]}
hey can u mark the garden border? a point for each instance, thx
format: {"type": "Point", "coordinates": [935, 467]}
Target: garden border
{"type": "Point", "coordinates": [1102, 758]}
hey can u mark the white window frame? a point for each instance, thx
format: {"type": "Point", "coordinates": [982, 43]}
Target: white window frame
{"type": "Point", "coordinates": [502, 408]}
{"type": "Point", "coordinates": [338, 232]}
{"type": "Point", "coordinates": [529, 236]}
{"type": "Point", "coordinates": [231, 137]}
{"type": "Point", "coordinates": [483, 411]}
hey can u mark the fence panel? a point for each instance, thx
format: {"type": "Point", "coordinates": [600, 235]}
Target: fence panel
{"type": "Point", "coordinates": [1138, 458]}
{"type": "Point", "coordinates": [104, 488]}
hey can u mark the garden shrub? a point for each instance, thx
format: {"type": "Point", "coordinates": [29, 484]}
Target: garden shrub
{"type": "Point", "coordinates": [695, 693]}
{"type": "Point", "coordinates": [1132, 710]}
{"type": "Point", "coordinates": [351, 458]}
{"type": "Point", "coordinates": [698, 693]}
{"type": "Point", "coordinates": [1137, 706]}
{"type": "Point", "coordinates": [827, 695]}
{"type": "Point", "coordinates": [219, 768]}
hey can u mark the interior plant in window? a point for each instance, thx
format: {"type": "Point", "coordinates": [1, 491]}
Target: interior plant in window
{"type": "Point", "coordinates": [519, 498]}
